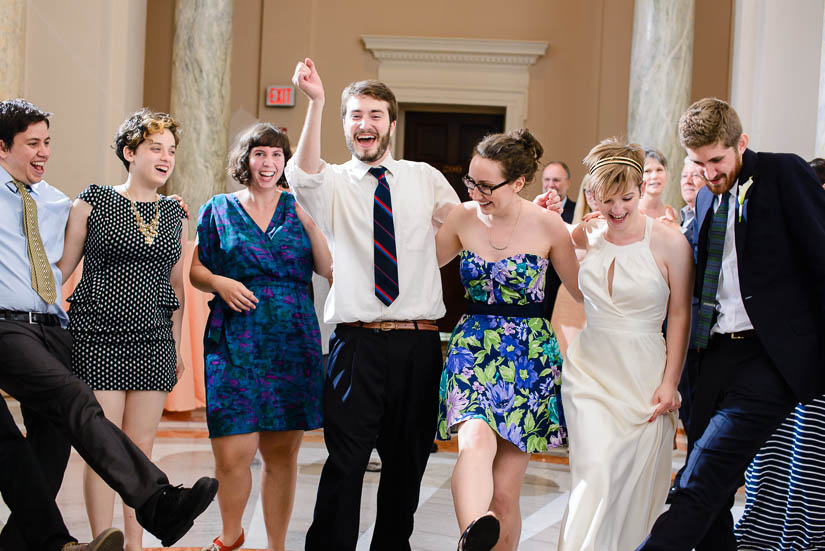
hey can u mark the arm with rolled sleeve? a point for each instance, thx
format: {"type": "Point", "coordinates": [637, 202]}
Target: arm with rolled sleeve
{"type": "Point", "coordinates": [313, 192]}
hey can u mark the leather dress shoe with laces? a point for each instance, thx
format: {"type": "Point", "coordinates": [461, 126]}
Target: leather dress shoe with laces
{"type": "Point", "coordinates": [110, 539]}
{"type": "Point", "coordinates": [170, 512]}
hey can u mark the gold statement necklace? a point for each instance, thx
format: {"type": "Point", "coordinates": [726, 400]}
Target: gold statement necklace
{"type": "Point", "coordinates": [512, 231]}
{"type": "Point", "coordinates": [150, 230]}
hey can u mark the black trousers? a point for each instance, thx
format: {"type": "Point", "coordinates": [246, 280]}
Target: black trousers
{"type": "Point", "coordinates": [381, 391]}
{"type": "Point", "coordinates": [35, 523]}
{"type": "Point", "coordinates": [740, 400]}
{"type": "Point", "coordinates": [61, 411]}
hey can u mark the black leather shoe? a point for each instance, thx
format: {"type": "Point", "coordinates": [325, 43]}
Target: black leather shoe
{"type": "Point", "coordinates": [170, 513]}
{"type": "Point", "coordinates": [481, 535]}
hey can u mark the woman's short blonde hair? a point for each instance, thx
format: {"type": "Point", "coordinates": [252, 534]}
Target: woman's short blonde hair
{"type": "Point", "coordinates": [615, 166]}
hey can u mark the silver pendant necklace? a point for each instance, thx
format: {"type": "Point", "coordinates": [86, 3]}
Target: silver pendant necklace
{"type": "Point", "coordinates": [512, 231]}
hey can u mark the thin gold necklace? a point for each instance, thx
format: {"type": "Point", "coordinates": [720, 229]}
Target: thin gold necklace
{"type": "Point", "coordinates": [512, 231]}
{"type": "Point", "coordinates": [150, 230]}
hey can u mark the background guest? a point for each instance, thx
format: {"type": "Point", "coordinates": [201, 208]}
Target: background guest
{"type": "Point", "coordinates": [264, 380]}
{"type": "Point", "coordinates": [126, 312]}
{"type": "Point", "coordinates": [556, 175]}
{"type": "Point", "coordinates": [655, 178]}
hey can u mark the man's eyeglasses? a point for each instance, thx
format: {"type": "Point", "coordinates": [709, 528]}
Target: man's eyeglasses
{"type": "Point", "coordinates": [483, 188]}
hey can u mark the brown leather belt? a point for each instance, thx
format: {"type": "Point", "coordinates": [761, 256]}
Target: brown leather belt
{"type": "Point", "coordinates": [414, 325]}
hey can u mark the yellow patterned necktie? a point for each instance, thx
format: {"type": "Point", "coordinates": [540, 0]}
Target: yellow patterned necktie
{"type": "Point", "coordinates": [42, 275]}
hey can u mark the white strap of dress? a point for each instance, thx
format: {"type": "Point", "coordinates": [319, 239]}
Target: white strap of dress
{"type": "Point", "coordinates": [648, 225]}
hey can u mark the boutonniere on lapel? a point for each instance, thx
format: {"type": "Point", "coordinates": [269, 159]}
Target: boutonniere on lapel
{"type": "Point", "coordinates": [743, 201]}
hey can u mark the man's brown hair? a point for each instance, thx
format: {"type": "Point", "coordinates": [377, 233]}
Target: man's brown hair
{"type": "Point", "coordinates": [707, 122]}
{"type": "Point", "coordinates": [374, 89]}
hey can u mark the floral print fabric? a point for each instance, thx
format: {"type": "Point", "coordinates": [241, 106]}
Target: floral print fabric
{"type": "Point", "coordinates": [505, 370]}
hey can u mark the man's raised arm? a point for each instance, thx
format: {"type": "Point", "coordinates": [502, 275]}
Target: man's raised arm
{"type": "Point", "coordinates": [308, 154]}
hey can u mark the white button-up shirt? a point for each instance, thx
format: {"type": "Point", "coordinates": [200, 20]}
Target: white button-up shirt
{"type": "Point", "coordinates": [340, 200]}
{"type": "Point", "coordinates": [732, 315]}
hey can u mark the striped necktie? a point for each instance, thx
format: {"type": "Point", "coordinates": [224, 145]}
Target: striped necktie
{"type": "Point", "coordinates": [716, 244]}
{"type": "Point", "coordinates": [41, 270]}
{"type": "Point", "coordinates": [385, 261]}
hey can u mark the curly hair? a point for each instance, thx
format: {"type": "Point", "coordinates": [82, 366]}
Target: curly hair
{"type": "Point", "coordinates": [138, 127]}
{"type": "Point", "coordinates": [262, 133]}
{"type": "Point", "coordinates": [517, 151]}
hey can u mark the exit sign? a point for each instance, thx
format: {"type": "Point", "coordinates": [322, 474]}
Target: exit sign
{"type": "Point", "coordinates": [280, 96]}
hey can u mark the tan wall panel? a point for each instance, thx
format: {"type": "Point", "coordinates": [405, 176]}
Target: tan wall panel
{"type": "Point", "coordinates": [712, 49]}
{"type": "Point", "coordinates": [578, 91]}
{"type": "Point", "coordinates": [160, 34]}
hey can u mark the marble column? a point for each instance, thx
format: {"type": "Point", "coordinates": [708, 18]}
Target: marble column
{"type": "Point", "coordinates": [661, 65]}
{"type": "Point", "coordinates": [12, 48]}
{"type": "Point", "coordinates": [201, 57]}
{"type": "Point", "coordinates": [819, 150]}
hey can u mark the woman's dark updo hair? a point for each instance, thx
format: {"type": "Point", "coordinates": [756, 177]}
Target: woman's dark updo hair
{"type": "Point", "coordinates": [262, 133]}
{"type": "Point", "coordinates": [517, 151]}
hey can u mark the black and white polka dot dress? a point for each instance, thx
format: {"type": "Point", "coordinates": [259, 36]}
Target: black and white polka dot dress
{"type": "Point", "coordinates": [121, 311]}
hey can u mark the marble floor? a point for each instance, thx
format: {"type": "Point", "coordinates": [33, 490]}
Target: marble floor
{"type": "Point", "coordinates": [183, 451]}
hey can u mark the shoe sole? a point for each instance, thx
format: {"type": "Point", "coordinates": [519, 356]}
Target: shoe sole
{"type": "Point", "coordinates": [209, 487]}
{"type": "Point", "coordinates": [482, 535]}
{"type": "Point", "coordinates": [108, 540]}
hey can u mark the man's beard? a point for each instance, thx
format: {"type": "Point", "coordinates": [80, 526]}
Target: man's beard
{"type": "Point", "coordinates": [383, 143]}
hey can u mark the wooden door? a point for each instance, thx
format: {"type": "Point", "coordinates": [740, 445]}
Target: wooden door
{"type": "Point", "coordinates": [446, 141]}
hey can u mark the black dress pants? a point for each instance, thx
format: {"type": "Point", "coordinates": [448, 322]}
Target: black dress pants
{"type": "Point", "coordinates": [381, 391]}
{"type": "Point", "coordinates": [61, 411]}
{"type": "Point", "coordinates": [35, 523]}
{"type": "Point", "coordinates": [740, 401]}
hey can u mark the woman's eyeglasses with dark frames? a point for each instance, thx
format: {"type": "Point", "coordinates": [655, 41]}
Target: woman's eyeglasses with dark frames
{"type": "Point", "coordinates": [484, 189]}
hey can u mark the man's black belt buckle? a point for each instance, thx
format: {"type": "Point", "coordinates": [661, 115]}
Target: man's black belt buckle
{"type": "Point", "coordinates": [32, 318]}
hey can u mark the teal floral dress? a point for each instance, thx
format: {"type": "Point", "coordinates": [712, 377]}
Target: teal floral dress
{"type": "Point", "coordinates": [504, 369]}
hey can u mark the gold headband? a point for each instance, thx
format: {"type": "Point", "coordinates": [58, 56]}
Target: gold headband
{"type": "Point", "coordinates": [617, 161]}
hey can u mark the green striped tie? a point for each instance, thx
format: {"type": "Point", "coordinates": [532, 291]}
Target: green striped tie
{"type": "Point", "coordinates": [716, 244]}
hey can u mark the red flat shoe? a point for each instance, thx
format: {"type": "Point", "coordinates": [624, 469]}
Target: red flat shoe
{"type": "Point", "coordinates": [218, 545]}
{"type": "Point", "coordinates": [481, 535]}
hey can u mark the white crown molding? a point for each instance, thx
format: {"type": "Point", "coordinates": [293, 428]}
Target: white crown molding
{"type": "Point", "coordinates": [454, 50]}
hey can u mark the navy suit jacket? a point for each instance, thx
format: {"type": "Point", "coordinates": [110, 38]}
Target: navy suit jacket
{"type": "Point", "coordinates": [568, 210]}
{"type": "Point", "coordinates": [780, 248]}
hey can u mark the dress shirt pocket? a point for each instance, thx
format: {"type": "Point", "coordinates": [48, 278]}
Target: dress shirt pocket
{"type": "Point", "coordinates": [414, 226]}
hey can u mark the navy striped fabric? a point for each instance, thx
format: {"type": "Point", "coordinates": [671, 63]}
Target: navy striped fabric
{"type": "Point", "coordinates": [383, 235]}
{"type": "Point", "coordinates": [716, 244]}
{"type": "Point", "coordinates": [785, 498]}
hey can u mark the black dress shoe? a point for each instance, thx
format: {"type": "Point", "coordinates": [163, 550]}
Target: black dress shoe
{"type": "Point", "coordinates": [170, 513]}
{"type": "Point", "coordinates": [481, 535]}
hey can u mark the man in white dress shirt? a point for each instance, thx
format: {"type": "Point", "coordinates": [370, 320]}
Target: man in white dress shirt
{"type": "Point", "coordinates": [379, 216]}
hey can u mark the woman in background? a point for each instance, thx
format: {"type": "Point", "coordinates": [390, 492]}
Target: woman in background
{"type": "Point", "coordinates": [126, 312]}
{"type": "Point", "coordinates": [264, 381]}
{"type": "Point", "coordinates": [655, 178]}
{"type": "Point", "coordinates": [500, 379]}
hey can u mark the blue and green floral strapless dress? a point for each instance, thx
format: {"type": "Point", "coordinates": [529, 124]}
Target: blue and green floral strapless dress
{"type": "Point", "coordinates": [503, 362]}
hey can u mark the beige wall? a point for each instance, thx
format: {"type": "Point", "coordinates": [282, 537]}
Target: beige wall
{"type": "Point", "coordinates": [84, 62]}
{"type": "Point", "coordinates": [578, 89]}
